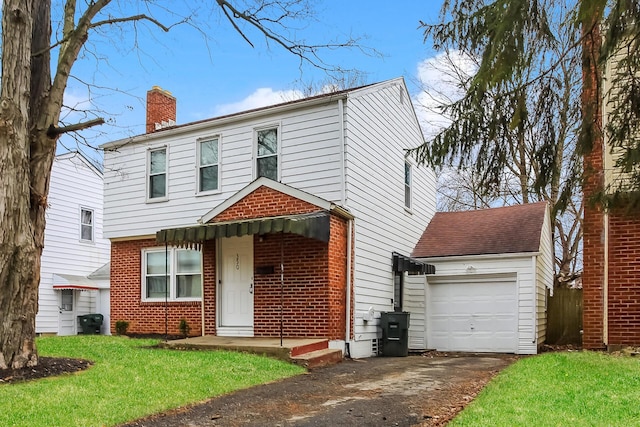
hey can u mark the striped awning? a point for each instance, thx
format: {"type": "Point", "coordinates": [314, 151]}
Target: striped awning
{"type": "Point", "coordinates": [75, 287]}
{"type": "Point", "coordinates": [315, 225]}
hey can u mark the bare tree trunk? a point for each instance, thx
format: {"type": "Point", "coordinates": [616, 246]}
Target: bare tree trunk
{"type": "Point", "coordinates": [19, 279]}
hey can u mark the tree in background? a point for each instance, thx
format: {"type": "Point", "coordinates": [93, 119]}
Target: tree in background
{"type": "Point", "coordinates": [508, 152]}
{"type": "Point", "coordinates": [515, 126]}
{"type": "Point", "coordinates": [31, 101]}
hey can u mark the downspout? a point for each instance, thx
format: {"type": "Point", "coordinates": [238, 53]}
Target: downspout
{"type": "Point", "coordinates": [343, 185]}
{"type": "Point", "coordinates": [202, 286]}
{"type": "Point", "coordinates": [605, 281]}
{"type": "Point", "coordinates": [343, 202]}
{"type": "Point", "coordinates": [347, 334]}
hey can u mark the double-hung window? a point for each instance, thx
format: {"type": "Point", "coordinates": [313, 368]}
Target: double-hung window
{"type": "Point", "coordinates": [157, 168]}
{"type": "Point", "coordinates": [407, 185]}
{"type": "Point", "coordinates": [208, 165]}
{"type": "Point", "coordinates": [86, 225]}
{"type": "Point", "coordinates": [174, 274]}
{"type": "Point", "coordinates": [267, 153]}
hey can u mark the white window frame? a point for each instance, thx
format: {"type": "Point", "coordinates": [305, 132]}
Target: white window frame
{"type": "Point", "coordinates": [92, 225]}
{"type": "Point", "coordinates": [277, 127]}
{"type": "Point", "coordinates": [200, 166]}
{"type": "Point", "coordinates": [148, 175]}
{"type": "Point", "coordinates": [408, 187]}
{"type": "Point", "coordinates": [172, 273]}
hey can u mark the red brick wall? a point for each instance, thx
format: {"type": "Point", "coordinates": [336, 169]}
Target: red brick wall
{"type": "Point", "coordinates": [593, 256]}
{"type": "Point", "coordinates": [314, 288]}
{"type": "Point", "coordinates": [624, 280]}
{"type": "Point", "coordinates": [161, 106]}
{"type": "Point", "coordinates": [264, 202]}
{"type": "Point", "coordinates": [209, 273]}
{"type": "Point", "coordinates": [126, 289]}
{"type": "Point", "coordinates": [338, 277]}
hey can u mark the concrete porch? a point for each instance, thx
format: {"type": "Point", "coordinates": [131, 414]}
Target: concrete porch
{"type": "Point", "coordinates": [307, 352]}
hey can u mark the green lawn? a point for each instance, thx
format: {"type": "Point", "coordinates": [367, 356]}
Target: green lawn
{"type": "Point", "coordinates": [128, 381]}
{"type": "Point", "coordinates": [560, 389]}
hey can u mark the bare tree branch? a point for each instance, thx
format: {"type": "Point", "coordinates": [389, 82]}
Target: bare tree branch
{"type": "Point", "coordinates": [140, 17]}
{"type": "Point", "coordinates": [54, 131]}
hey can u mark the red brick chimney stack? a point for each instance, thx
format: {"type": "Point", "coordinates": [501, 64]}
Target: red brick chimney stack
{"type": "Point", "coordinates": [161, 109]}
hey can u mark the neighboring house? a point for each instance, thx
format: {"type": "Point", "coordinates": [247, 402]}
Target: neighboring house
{"type": "Point", "coordinates": [294, 219]}
{"type": "Point", "coordinates": [74, 248]}
{"type": "Point", "coordinates": [611, 251]}
{"type": "Point", "coordinates": [493, 268]}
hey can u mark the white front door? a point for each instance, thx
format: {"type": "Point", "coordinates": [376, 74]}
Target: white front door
{"type": "Point", "coordinates": [67, 324]}
{"type": "Point", "coordinates": [236, 286]}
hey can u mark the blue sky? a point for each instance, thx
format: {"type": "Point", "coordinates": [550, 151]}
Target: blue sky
{"type": "Point", "coordinates": [228, 74]}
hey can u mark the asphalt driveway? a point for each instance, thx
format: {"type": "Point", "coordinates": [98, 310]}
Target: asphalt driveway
{"type": "Point", "coordinates": [424, 390]}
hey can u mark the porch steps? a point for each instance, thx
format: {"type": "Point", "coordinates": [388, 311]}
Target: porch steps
{"type": "Point", "coordinates": [318, 358]}
{"type": "Point", "coordinates": [308, 352]}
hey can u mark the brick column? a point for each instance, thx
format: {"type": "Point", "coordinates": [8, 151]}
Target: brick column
{"type": "Point", "coordinates": [593, 183]}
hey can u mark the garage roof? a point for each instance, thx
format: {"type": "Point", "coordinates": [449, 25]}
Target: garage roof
{"type": "Point", "coordinates": [511, 229]}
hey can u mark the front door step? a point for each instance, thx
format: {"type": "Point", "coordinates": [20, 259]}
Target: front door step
{"type": "Point", "coordinates": [318, 358]}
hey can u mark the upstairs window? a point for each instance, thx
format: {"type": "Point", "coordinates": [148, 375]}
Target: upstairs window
{"type": "Point", "coordinates": [175, 274]}
{"type": "Point", "coordinates": [407, 185]}
{"type": "Point", "coordinates": [208, 165]}
{"type": "Point", "coordinates": [86, 225]}
{"type": "Point", "coordinates": [267, 153]}
{"type": "Point", "coordinates": [157, 174]}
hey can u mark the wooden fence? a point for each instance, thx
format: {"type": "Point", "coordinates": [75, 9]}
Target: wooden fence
{"type": "Point", "coordinates": [564, 317]}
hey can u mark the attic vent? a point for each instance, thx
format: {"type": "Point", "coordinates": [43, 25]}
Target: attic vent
{"type": "Point", "coordinates": [164, 124]}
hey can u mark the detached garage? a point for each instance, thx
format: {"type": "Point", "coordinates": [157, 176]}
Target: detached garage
{"type": "Point", "coordinates": [489, 291]}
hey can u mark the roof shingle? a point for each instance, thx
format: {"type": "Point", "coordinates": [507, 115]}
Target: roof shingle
{"type": "Point", "coordinates": [511, 229]}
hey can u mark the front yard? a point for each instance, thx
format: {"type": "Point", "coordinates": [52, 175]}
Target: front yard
{"type": "Point", "coordinates": [560, 389]}
{"type": "Point", "coordinates": [128, 380]}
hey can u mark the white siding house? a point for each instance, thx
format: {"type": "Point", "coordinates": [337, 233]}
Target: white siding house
{"type": "Point", "coordinates": [493, 268]}
{"type": "Point", "coordinates": [342, 152]}
{"type": "Point", "coordinates": [74, 247]}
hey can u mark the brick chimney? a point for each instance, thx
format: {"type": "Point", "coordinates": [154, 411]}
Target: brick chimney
{"type": "Point", "coordinates": [161, 109]}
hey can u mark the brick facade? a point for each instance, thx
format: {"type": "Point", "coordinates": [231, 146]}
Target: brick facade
{"type": "Point", "coordinates": [624, 280]}
{"type": "Point", "coordinates": [314, 288]}
{"type": "Point", "coordinates": [126, 292]}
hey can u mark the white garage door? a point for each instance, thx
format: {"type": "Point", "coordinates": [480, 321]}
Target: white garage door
{"type": "Point", "coordinates": [475, 316]}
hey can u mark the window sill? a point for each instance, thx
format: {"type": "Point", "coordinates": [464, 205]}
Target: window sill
{"type": "Point", "coordinates": [157, 200]}
{"type": "Point", "coordinates": [408, 210]}
{"type": "Point", "coordinates": [87, 242]}
{"type": "Point", "coordinates": [208, 193]}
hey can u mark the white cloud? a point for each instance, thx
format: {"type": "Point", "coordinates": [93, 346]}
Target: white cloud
{"type": "Point", "coordinates": [261, 97]}
{"type": "Point", "coordinates": [440, 78]}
